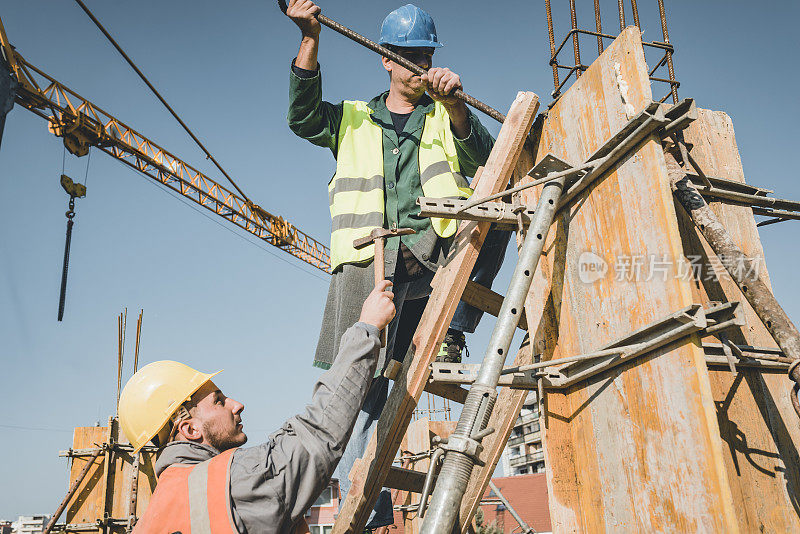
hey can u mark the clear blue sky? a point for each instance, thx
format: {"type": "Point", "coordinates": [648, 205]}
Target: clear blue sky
{"type": "Point", "coordinates": [215, 300]}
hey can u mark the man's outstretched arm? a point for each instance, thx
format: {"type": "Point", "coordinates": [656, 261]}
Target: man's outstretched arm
{"type": "Point", "coordinates": [294, 466]}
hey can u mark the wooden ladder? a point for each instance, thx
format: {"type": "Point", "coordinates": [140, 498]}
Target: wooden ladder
{"type": "Point", "coordinates": [451, 284]}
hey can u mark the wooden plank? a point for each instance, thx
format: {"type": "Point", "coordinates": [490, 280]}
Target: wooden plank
{"type": "Point", "coordinates": [405, 479]}
{"type": "Point", "coordinates": [452, 392]}
{"type": "Point", "coordinates": [636, 448]}
{"type": "Point", "coordinates": [757, 423]}
{"type": "Point", "coordinates": [488, 301]}
{"type": "Point", "coordinates": [368, 473]}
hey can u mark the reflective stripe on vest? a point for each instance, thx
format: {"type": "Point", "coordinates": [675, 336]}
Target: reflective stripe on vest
{"type": "Point", "coordinates": [438, 166]}
{"type": "Point", "coordinates": [356, 195]}
{"type": "Point", "coordinates": [191, 499]}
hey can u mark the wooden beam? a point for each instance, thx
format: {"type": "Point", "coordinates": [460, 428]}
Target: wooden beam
{"type": "Point", "coordinates": [369, 472]}
{"type": "Point", "coordinates": [758, 425]}
{"type": "Point", "coordinates": [405, 479]}
{"type": "Point", "coordinates": [488, 301]}
{"type": "Point", "coordinates": [636, 448]}
{"type": "Point", "coordinates": [452, 392]}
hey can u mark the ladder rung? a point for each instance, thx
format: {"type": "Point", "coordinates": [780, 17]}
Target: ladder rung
{"type": "Point", "coordinates": [488, 301]}
{"type": "Point", "coordinates": [405, 479]}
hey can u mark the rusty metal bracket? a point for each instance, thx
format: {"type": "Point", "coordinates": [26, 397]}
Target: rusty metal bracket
{"type": "Point", "coordinates": [693, 319]}
{"type": "Point", "coordinates": [656, 117]}
{"type": "Point", "coordinates": [564, 372]}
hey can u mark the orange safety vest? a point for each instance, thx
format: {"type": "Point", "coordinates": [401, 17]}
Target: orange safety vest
{"type": "Point", "coordinates": [194, 499]}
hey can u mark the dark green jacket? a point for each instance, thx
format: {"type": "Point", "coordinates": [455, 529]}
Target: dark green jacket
{"type": "Point", "coordinates": [318, 121]}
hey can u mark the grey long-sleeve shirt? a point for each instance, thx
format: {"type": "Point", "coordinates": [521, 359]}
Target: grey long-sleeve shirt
{"type": "Point", "coordinates": [274, 483]}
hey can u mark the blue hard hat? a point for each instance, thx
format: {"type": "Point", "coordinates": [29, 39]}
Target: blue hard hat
{"type": "Point", "coordinates": [409, 27]}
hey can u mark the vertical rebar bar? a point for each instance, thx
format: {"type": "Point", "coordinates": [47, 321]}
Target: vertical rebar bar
{"type": "Point", "coordinates": [457, 466]}
{"type": "Point", "coordinates": [621, 15]}
{"type": "Point", "coordinates": [599, 26]}
{"type": "Point", "coordinates": [552, 43]}
{"type": "Point", "coordinates": [575, 40]}
{"type": "Point", "coordinates": [670, 66]}
{"type": "Point", "coordinates": [635, 9]}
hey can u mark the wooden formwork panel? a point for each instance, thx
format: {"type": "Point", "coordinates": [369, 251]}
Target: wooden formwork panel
{"type": "Point", "coordinates": [758, 426]}
{"type": "Point", "coordinates": [636, 448]}
{"type": "Point", "coordinates": [88, 504]}
{"type": "Point", "coordinates": [106, 493]}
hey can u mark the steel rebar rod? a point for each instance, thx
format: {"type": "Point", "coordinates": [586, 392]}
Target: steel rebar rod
{"type": "Point", "coordinates": [72, 490]}
{"type": "Point", "coordinates": [62, 295]}
{"type": "Point", "coordinates": [551, 35]}
{"type": "Point", "coordinates": [457, 465]}
{"type": "Point", "coordinates": [599, 26]}
{"type": "Point", "coordinates": [670, 67]}
{"type": "Point", "coordinates": [742, 269]}
{"type": "Point", "coordinates": [575, 40]}
{"type": "Point", "coordinates": [400, 60]}
{"type": "Point", "coordinates": [635, 9]}
{"type": "Point", "coordinates": [621, 16]}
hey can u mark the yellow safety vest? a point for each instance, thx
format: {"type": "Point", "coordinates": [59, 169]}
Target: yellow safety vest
{"type": "Point", "coordinates": [356, 190]}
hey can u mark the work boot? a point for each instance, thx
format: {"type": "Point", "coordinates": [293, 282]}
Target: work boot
{"type": "Point", "coordinates": [453, 345]}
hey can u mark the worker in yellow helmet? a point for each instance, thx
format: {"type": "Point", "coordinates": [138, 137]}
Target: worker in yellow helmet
{"type": "Point", "coordinates": [413, 140]}
{"type": "Point", "coordinates": [208, 483]}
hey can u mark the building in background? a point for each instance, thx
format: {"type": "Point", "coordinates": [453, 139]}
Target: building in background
{"type": "Point", "coordinates": [320, 517]}
{"type": "Point", "coordinates": [523, 453]}
{"type": "Point", "coordinates": [30, 524]}
{"type": "Point", "coordinates": [527, 494]}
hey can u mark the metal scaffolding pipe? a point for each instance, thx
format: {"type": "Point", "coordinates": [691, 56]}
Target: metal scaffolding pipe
{"type": "Point", "coordinates": [462, 446]}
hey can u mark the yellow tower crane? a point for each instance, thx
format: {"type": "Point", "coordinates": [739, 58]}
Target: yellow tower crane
{"type": "Point", "coordinates": [84, 125]}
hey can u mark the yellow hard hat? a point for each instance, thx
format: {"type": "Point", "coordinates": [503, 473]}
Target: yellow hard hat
{"type": "Point", "coordinates": [152, 395]}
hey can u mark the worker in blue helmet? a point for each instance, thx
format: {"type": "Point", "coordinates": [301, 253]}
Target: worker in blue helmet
{"type": "Point", "coordinates": [415, 139]}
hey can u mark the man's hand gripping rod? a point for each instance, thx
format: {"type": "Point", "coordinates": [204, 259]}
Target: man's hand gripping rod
{"type": "Point", "coordinates": [400, 60]}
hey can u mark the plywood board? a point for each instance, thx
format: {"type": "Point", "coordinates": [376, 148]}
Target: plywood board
{"type": "Point", "coordinates": [757, 423]}
{"type": "Point", "coordinates": [637, 448]}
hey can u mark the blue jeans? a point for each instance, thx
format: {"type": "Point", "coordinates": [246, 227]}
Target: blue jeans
{"type": "Point", "coordinates": [410, 299]}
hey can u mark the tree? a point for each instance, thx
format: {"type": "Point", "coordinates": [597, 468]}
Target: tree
{"type": "Point", "coordinates": [482, 528]}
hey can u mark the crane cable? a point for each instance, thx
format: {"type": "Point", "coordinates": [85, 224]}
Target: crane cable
{"type": "Point", "coordinates": [255, 208]}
